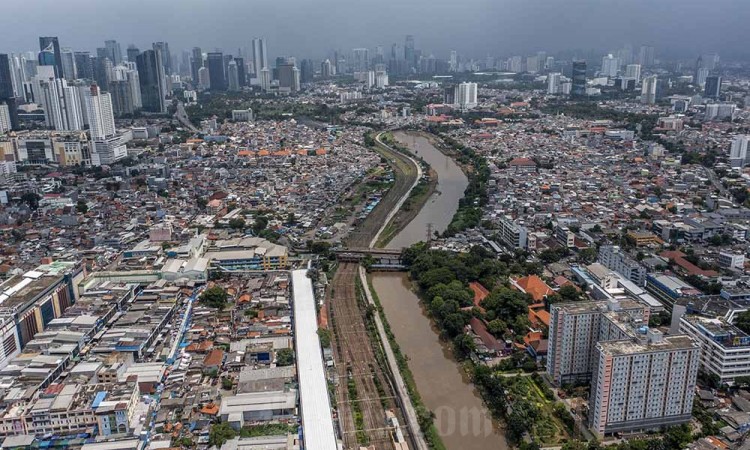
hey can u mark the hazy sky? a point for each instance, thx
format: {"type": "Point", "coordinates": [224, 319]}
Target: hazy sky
{"type": "Point", "coordinates": [310, 28]}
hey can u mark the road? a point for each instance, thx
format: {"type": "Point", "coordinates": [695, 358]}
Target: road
{"type": "Point", "coordinates": [182, 116]}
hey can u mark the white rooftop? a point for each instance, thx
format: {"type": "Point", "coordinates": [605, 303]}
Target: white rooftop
{"type": "Point", "coordinates": [317, 422]}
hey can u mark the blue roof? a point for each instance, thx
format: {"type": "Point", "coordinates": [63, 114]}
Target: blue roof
{"type": "Point", "coordinates": [98, 399]}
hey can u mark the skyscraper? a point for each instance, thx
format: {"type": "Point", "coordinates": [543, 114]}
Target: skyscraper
{"type": "Point", "coordinates": [100, 114]}
{"type": "Point", "coordinates": [633, 71]}
{"type": "Point", "coordinates": [133, 52]}
{"type": "Point", "coordinates": [61, 104]}
{"type": "Point", "coordinates": [360, 59]}
{"type": "Point", "coordinates": [152, 79]}
{"type": "Point", "coordinates": [713, 87]}
{"type": "Point", "coordinates": [579, 79]}
{"type": "Point", "coordinates": [114, 51]}
{"type": "Point", "coordinates": [465, 96]}
{"type": "Point", "coordinates": [646, 56]}
{"type": "Point", "coordinates": [652, 375]}
{"type": "Point", "coordinates": [409, 54]}
{"type": "Point", "coordinates": [325, 69]}
{"type": "Point", "coordinates": [700, 76]}
{"type": "Point", "coordinates": [232, 77]}
{"type": "Point", "coordinates": [610, 66]}
{"type": "Point", "coordinates": [553, 83]}
{"type": "Point", "coordinates": [286, 75]}
{"type": "Point", "coordinates": [453, 62]}
{"type": "Point", "coordinates": [6, 79]}
{"type": "Point", "coordinates": [49, 54]}
{"type": "Point", "coordinates": [241, 72]}
{"type": "Point", "coordinates": [260, 56]}
{"type": "Point", "coordinates": [84, 66]}
{"type": "Point", "coordinates": [306, 71]}
{"type": "Point", "coordinates": [166, 57]}
{"type": "Point", "coordinates": [648, 90]}
{"type": "Point", "coordinates": [265, 79]}
{"type": "Point", "coordinates": [7, 95]}
{"type": "Point", "coordinates": [69, 64]}
{"type": "Point", "coordinates": [196, 62]}
{"type": "Point", "coordinates": [217, 78]}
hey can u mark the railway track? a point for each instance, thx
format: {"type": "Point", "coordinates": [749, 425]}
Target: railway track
{"type": "Point", "coordinates": [364, 392]}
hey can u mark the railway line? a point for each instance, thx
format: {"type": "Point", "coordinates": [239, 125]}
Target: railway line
{"type": "Point", "coordinates": [364, 392]}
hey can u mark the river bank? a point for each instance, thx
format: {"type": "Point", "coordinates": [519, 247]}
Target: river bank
{"type": "Point", "coordinates": [459, 415]}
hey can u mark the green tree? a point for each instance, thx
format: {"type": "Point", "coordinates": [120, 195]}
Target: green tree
{"type": "Point", "coordinates": [82, 207]}
{"type": "Point", "coordinates": [227, 383]}
{"type": "Point", "coordinates": [569, 293]}
{"type": "Point", "coordinates": [215, 297]}
{"type": "Point", "coordinates": [463, 346]}
{"type": "Point", "coordinates": [31, 199]}
{"type": "Point", "coordinates": [285, 357]}
{"type": "Point", "coordinates": [260, 224]}
{"type": "Point", "coordinates": [220, 433]}
{"type": "Point", "coordinates": [743, 321]}
{"type": "Point", "coordinates": [325, 337]}
{"type": "Point", "coordinates": [497, 327]}
{"type": "Point", "coordinates": [237, 223]}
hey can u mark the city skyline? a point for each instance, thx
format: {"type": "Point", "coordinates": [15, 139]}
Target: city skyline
{"type": "Point", "coordinates": [477, 28]}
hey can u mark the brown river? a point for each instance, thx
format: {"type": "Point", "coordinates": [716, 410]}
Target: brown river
{"type": "Point", "coordinates": [461, 418]}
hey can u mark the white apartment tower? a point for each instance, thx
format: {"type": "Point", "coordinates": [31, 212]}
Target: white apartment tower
{"type": "Point", "coordinates": [643, 383]}
{"type": "Point", "coordinates": [633, 71]}
{"type": "Point", "coordinates": [553, 83]}
{"type": "Point", "coordinates": [465, 95]}
{"type": "Point", "coordinates": [62, 105]}
{"type": "Point", "coordinates": [100, 114]}
{"type": "Point", "coordinates": [738, 155]}
{"type": "Point", "coordinates": [610, 66]}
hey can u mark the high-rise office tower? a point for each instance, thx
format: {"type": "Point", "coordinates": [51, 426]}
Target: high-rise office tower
{"type": "Point", "coordinates": [579, 79]}
{"type": "Point", "coordinates": [409, 53]}
{"type": "Point", "coordinates": [69, 64]}
{"type": "Point", "coordinates": [260, 56]}
{"type": "Point", "coordinates": [49, 54]}
{"type": "Point", "coordinates": [648, 90]}
{"type": "Point", "coordinates": [713, 87]}
{"type": "Point", "coordinates": [185, 67]}
{"type": "Point", "coordinates": [633, 71]}
{"type": "Point", "coordinates": [306, 71]}
{"type": "Point", "coordinates": [196, 62]}
{"type": "Point", "coordinates": [84, 65]}
{"type": "Point", "coordinates": [241, 72]}
{"type": "Point", "coordinates": [100, 114]}
{"type": "Point", "coordinates": [646, 56]}
{"type": "Point", "coordinates": [553, 83]}
{"type": "Point", "coordinates": [6, 79]}
{"type": "Point", "coordinates": [152, 79]}
{"type": "Point", "coordinates": [610, 66]}
{"type": "Point", "coordinates": [232, 76]}
{"type": "Point", "coordinates": [532, 64]}
{"type": "Point", "coordinates": [7, 95]}
{"type": "Point", "coordinates": [453, 61]}
{"type": "Point", "coordinates": [217, 77]}
{"type": "Point", "coordinates": [133, 53]}
{"type": "Point", "coordinates": [227, 59]}
{"type": "Point", "coordinates": [325, 69]}
{"type": "Point", "coordinates": [286, 75]}
{"type": "Point", "coordinates": [265, 79]}
{"type": "Point", "coordinates": [61, 104]}
{"type": "Point", "coordinates": [5, 126]}
{"type": "Point", "coordinates": [360, 59]}
{"type": "Point", "coordinates": [114, 51]}
{"type": "Point", "coordinates": [166, 57]}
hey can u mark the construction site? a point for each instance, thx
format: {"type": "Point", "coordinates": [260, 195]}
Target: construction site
{"type": "Point", "coordinates": [370, 414]}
